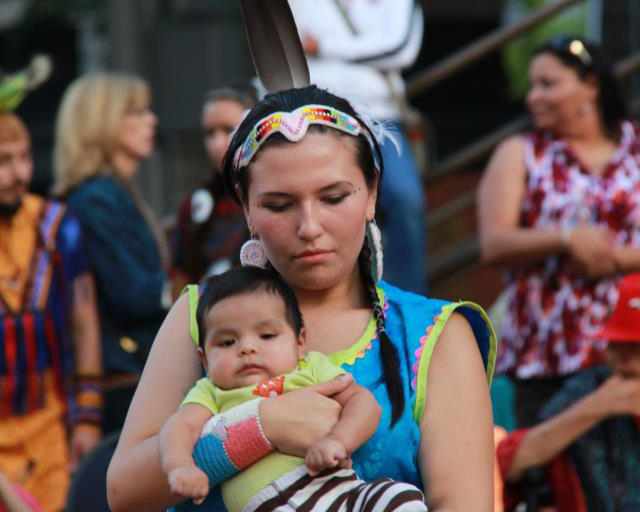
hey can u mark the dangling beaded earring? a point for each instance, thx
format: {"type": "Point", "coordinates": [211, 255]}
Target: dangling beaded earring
{"type": "Point", "coordinates": [252, 253]}
{"type": "Point", "coordinates": [375, 239]}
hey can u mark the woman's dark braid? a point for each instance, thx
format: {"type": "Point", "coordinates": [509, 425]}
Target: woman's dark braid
{"type": "Point", "coordinates": [388, 352]}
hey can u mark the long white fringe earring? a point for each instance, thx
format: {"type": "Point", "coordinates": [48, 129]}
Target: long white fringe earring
{"type": "Point", "coordinates": [375, 238]}
{"type": "Point", "coordinates": [252, 254]}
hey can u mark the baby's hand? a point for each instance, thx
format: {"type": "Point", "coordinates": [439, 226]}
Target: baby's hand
{"type": "Point", "coordinates": [190, 482]}
{"type": "Point", "coordinates": [326, 453]}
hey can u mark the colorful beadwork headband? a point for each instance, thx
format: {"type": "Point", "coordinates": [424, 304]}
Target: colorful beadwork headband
{"type": "Point", "coordinates": [294, 126]}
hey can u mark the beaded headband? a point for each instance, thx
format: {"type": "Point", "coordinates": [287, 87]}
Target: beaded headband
{"type": "Point", "coordinates": [294, 126]}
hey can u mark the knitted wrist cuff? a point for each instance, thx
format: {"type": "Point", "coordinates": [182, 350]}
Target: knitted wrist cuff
{"type": "Point", "coordinates": [231, 441]}
{"type": "Point", "coordinates": [210, 456]}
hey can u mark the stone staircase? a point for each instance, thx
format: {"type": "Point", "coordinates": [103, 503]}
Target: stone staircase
{"type": "Point", "coordinates": [453, 265]}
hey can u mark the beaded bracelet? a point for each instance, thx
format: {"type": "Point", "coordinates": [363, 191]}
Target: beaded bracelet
{"type": "Point", "coordinates": [88, 399]}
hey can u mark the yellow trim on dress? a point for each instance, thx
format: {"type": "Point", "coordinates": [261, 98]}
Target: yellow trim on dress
{"type": "Point", "coordinates": [193, 296]}
{"type": "Point", "coordinates": [360, 347]}
{"type": "Point", "coordinates": [428, 343]}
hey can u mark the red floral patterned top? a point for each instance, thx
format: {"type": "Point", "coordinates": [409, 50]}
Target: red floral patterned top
{"type": "Point", "coordinates": [551, 314]}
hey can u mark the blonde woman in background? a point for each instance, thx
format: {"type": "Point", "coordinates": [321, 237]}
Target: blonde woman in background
{"type": "Point", "coordinates": [104, 129]}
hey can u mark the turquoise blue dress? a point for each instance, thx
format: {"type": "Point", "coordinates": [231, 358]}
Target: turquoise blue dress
{"type": "Point", "coordinates": [414, 324]}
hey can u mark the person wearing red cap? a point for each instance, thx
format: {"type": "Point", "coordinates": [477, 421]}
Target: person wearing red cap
{"type": "Point", "coordinates": [589, 435]}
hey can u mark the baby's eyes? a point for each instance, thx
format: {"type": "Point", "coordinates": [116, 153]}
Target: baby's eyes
{"type": "Point", "coordinates": [229, 342]}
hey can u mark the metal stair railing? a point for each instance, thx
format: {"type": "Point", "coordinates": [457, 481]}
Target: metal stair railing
{"type": "Point", "coordinates": [486, 144]}
{"type": "Point", "coordinates": [481, 47]}
{"type": "Point", "coordinates": [483, 146]}
{"type": "Point", "coordinates": [467, 250]}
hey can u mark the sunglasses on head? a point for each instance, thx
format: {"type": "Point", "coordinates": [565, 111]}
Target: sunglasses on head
{"type": "Point", "coordinates": [572, 46]}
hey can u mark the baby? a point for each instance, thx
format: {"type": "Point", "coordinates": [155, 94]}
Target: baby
{"type": "Point", "coordinates": [251, 343]}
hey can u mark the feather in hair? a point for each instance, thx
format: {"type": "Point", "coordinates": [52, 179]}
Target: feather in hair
{"type": "Point", "coordinates": [275, 44]}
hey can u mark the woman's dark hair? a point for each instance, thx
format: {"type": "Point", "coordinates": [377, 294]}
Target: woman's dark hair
{"type": "Point", "coordinates": [244, 94]}
{"type": "Point", "coordinates": [587, 59]}
{"type": "Point", "coordinates": [369, 161]}
{"type": "Point", "coordinates": [240, 280]}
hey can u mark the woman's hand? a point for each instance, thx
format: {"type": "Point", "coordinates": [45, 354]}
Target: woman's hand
{"type": "Point", "coordinates": [297, 419]}
{"type": "Point", "coordinates": [592, 250]}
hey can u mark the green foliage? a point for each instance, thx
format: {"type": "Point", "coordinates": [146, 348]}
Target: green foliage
{"type": "Point", "coordinates": [516, 54]}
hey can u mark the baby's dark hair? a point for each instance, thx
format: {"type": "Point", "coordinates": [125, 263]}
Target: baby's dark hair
{"type": "Point", "coordinates": [241, 280]}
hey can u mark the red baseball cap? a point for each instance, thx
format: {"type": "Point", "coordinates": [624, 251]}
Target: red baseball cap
{"type": "Point", "coordinates": [623, 325]}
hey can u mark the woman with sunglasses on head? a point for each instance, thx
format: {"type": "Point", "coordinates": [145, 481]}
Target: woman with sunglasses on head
{"type": "Point", "coordinates": [558, 207]}
{"type": "Point", "coordinates": [306, 169]}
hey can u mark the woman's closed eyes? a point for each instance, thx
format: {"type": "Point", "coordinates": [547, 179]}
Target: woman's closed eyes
{"type": "Point", "coordinates": [281, 206]}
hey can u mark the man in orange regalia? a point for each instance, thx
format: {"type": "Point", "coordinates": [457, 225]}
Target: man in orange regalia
{"type": "Point", "coordinates": [48, 329]}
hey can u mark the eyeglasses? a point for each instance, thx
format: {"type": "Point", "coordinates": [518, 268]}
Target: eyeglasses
{"type": "Point", "coordinates": [574, 47]}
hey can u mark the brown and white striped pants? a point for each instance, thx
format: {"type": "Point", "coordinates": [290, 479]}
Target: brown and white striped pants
{"type": "Point", "coordinates": [335, 490]}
